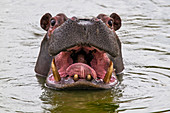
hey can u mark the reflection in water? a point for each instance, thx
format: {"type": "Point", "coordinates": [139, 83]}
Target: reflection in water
{"type": "Point", "coordinates": [92, 101]}
{"type": "Point", "coordinates": [78, 101]}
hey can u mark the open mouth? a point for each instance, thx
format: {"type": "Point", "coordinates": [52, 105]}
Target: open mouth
{"type": "Point", "coordinates": [84, 67]}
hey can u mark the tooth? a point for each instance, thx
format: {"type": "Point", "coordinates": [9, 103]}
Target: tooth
{"type": "Point", "coordinates": [76, 77]}
{"type": "Point", "coordinates": [89, 77]}
{"type": "Point", "coordinates": [55, 71]}
{"type": "Point", "coordinates": [109, 73]}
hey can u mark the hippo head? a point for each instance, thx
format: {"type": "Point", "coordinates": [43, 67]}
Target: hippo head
{"type": "Point", "coordinates": [80, 53]}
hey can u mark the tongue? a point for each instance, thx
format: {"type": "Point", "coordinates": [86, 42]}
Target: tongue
{"type": "Point", "coordinates": [81, 69]}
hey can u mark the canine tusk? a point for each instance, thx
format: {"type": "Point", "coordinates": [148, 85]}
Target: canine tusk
{"type": "Point", "coordinates": [88, 77]}
{"type": "Point", "coordinates": [109, 73]}
{"type": "Point", "coordinates": [55, 71]}
{"type": "Point", "coordinates": [76, 77]}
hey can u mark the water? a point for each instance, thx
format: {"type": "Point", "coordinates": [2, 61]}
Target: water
{"type": "Point", "coordinates": [145, 34]}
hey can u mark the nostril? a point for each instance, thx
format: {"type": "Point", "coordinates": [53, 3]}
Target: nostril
{"type": "Point", "coordinates": [74, 18]}
{"type": "Point", "coordinates": [84, 28]}
{"type": "Point", "coordinates": [95, 19]}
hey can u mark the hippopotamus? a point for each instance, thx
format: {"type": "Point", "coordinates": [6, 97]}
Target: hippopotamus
{"type": "Point", "coordinates": [80, 53]}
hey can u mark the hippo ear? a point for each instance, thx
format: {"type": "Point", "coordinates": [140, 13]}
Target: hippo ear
{"type": "Point", "coordinates": [45, 21]}
{"type": "Point", "coordinates": [117, 21]}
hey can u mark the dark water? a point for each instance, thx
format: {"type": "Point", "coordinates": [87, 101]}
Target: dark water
{"type": "Point", "coordinates": [145, 34]}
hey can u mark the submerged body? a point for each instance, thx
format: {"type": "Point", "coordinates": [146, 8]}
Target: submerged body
{"type": "Point", "coordinates": [80, 53]}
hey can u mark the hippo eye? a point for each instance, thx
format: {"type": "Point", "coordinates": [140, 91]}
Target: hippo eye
{"type": "Point", "coordinates": [110, 22]}
{"type": "Point", "coordinates": [53, 22]}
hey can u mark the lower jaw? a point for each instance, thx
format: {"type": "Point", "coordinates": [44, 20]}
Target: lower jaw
{"type": "Point", "coordinates": [69, 83]}
{"type": "Point", "coordinates": [82, 71]}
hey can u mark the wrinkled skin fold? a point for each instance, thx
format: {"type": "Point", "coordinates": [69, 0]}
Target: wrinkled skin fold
{"type": "Point", "coordinates": [80, 53]}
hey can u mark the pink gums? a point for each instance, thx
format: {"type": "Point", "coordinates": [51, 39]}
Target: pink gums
{"type": "Point", "coordinates": [81, 69]}
{"type": "Point", "coordinates": [98, 68]}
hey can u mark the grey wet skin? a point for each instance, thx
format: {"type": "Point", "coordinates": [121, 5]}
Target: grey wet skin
{"type": "Point", "coordinates": [93, 33]}
{"type": "Point", "coordinates": [79, 32]}
{"type": "Point", "coordinates": [43, 63]}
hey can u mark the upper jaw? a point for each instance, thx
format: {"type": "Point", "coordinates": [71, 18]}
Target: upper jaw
{"type": "Point", "coordinates": [73, 33]}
